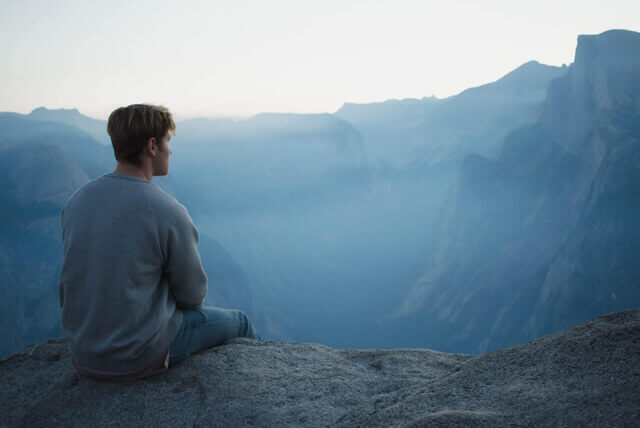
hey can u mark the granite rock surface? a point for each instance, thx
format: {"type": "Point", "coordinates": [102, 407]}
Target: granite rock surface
{"type": "Point", "coordinates": [588, 375]}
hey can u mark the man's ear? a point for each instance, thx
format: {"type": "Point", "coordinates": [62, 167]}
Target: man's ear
{"type": "Point", "coordinates": [151, 147]}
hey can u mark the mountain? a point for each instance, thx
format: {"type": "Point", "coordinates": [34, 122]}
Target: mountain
{"type": "Point", "coordinates": [597, 269]}
{"type": "Point", "coordinates": [585, 376]}
{"type": "Point", "coordinates": [545, 235]}
{"type": "Point", "coordinates": [418, 133]}
{"type": "Point", "coordinates": [24, 131]}
{"type": "Point", "coordinates": [95, 127]}
{"type": "Point", "coordinates": [37, 179]}
{"type": "Point", "coordinates": [268, 161]}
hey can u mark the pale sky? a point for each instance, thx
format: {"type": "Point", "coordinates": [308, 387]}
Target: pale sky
{"type": "Point", "coordinates": [238, 58]}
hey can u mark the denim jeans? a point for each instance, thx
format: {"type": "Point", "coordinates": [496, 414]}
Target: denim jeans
{"type": "Point", "coordinates": [206, 327]}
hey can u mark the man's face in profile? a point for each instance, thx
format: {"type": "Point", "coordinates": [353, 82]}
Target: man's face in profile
{"type": "Point", "coordinates": [161, 160]}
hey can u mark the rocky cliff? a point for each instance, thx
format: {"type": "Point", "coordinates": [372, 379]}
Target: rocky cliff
{"type": "Point", "coordinates": [545, 236]}
{"type": "Point", "coordinates": [588, 375]}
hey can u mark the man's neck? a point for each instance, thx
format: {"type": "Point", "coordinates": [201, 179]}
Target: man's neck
{"type": "Point", "coordinates": [136, 171]}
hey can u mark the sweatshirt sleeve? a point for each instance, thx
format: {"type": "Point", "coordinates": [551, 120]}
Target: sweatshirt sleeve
{"type": "Point", "coordinates": [187, 279]}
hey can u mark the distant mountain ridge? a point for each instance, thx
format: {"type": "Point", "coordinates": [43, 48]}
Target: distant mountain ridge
{"type": "Point", "coordinates": [95, 127]}
{"type": "Point", "coordinates": [436, 130]}
{"type": "Point", "coordinates": [269, 159]}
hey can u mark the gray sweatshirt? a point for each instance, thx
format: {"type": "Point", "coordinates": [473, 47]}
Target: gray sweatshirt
{"type": "Point", "coordinates": [131, 263]}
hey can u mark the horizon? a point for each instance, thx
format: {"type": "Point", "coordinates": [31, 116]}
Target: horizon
{"type": "Point", "coordinates": [234, 61]}
{"type": "Point", "coordinates": [242, 118]}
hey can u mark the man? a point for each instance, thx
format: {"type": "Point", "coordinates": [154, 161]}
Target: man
{"type": "Point", "coordinates": [132, 284]}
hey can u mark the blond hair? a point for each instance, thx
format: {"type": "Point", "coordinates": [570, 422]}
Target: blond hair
{"type": "Point", "coordinates": [131, 127]}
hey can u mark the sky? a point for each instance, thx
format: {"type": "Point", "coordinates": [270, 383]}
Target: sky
{"type": "Point", "coordinates": [238, 58]}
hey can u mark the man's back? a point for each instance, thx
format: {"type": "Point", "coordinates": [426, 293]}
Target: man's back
{"type": "Point", "coordinates": [130, 263]}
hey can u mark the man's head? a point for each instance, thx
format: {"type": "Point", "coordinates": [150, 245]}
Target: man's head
{"type": "Point", "coordinates": [140, 136]}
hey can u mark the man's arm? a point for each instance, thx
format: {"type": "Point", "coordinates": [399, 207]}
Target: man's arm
{"type": "Point", "coordinates": [187, 279]}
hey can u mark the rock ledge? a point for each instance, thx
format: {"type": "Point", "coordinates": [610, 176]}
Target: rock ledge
{"type": "Point", "coordinates": [588, 375]}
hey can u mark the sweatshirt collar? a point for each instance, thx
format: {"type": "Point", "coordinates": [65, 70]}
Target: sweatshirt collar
{"type": "Point", "coordinates": [126, 177]}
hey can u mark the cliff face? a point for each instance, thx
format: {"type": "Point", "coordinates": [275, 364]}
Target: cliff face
{"type": "Point", "coordinates": [602, 83]}
{"type": "Point", "coordinates": [597, 268]}
{"type": "Point", "coordinates": [546, 235]}
{"type": "Point", "coordinates": [586, 376]}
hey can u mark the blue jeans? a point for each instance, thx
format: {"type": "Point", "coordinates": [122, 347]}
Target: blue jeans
{"type": "Point", "coordinates": [206, 327]}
